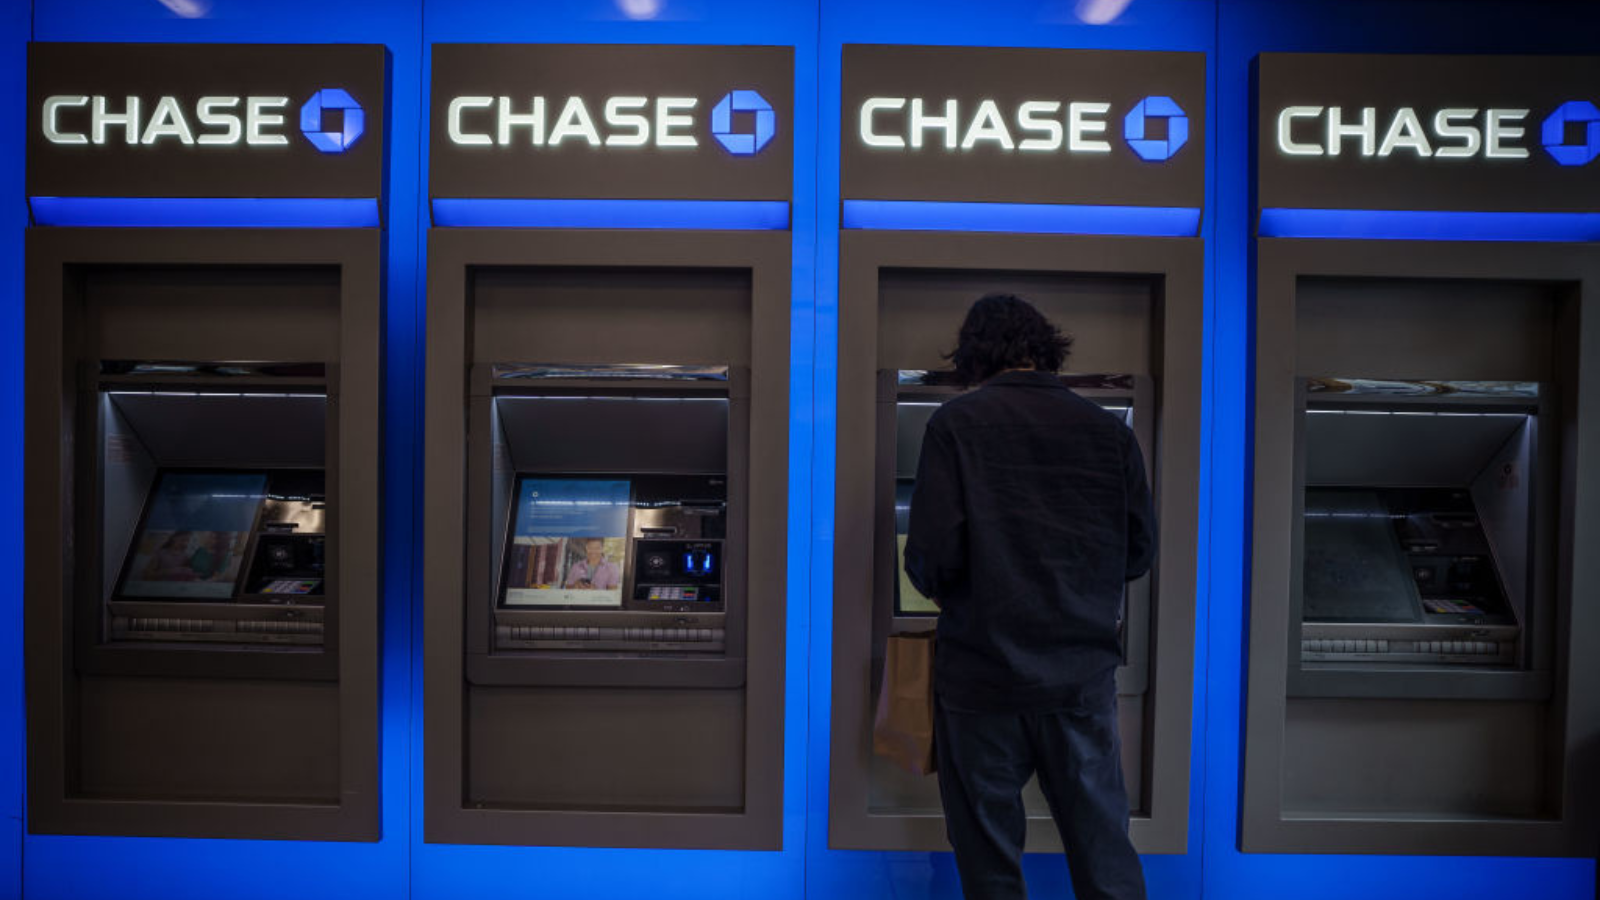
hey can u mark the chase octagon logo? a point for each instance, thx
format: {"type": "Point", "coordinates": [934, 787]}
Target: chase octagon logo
{"type": "Point", "coordinates": [1553, 133]}
{"type": "Point", "coordinates": [764, 122]}
{"type": "Point", "coordinates": [1136, 128]}
{"type": "Point", "coordinates": [314, 112]}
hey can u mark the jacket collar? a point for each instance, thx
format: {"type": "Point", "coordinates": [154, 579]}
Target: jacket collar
{"type": "Point", "coordinates": [1025, 379]}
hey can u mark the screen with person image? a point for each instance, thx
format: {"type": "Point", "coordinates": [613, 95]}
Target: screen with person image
{"type": "Point", "coordinates": [568, 543]}
{"type": "Point", "coordinates": [192, 541]}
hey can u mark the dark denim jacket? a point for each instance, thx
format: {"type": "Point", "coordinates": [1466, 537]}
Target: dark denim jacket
{"type": "Point", "coordinates": [1031, 512]}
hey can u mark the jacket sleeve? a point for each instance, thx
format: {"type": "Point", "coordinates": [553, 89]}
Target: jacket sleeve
{"type": "Point", "coordinates": [936, 542]}
{"type": "Point", "coordinates": [1141, 513]}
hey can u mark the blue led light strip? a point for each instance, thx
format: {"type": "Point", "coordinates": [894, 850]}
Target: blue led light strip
{"type": "Point", "coordinates": [688, 215]}
{"type": "Point", "coordinates": [1427, 225]}
{"type": "Point", "coordinates": [206, 212]}
{"type": "Point", "coordinates": [1022, 218]}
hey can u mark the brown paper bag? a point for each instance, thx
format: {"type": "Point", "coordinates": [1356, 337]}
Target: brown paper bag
{"type": "Point", "coordinates": [902, 731]}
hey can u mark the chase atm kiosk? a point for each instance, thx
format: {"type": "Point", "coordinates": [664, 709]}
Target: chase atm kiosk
{"type": "Point", "coordinates": [939, 210]}
{"type": "Point", "coordinates": [607, 408]}
{"type": "Point", "coordinates": [203, 416]}
{"type": "Point", "coordinates": [1420, 673]}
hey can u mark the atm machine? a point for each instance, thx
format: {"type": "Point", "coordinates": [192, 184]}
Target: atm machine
{"type": "Point", "coordinates": [1128, 356]}
{"type": "Point", "coordinates": [605, 536]}
{"type": "Point", "coordinates": [202, 424]}
{"type": "Point", "coordinates": [203, 550]}
{"type": "Point", "coordinates": [1106, 245]}
{"type": "Point", "coordinates": [1419, 677]}
{"type": "Point", "coordinates": [1414, 619]}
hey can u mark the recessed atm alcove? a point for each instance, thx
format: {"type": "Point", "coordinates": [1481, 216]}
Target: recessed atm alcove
{"type": "Point", "coordinates": [203, 554]}
{"type": "Point", "coordinates": [605, 534]}
{"type": "Point", "coordinates": [1133, 309]}
{"type": "Point", "coordinates": [1419, 576]}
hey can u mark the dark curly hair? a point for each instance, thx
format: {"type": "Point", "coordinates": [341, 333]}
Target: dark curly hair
{"type": "Point", "coordinates": [1004, 331]}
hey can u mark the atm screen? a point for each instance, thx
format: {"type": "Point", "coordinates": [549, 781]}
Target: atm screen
{"type": "Point", "coordinates": [908, 601]}
{"type": "Point", "coordinates": [1354, 567]}
{"type": "Point", "coordinates": [191, 543]}
{"type": "Point", "coordinates": [1396, 555]}
{"type": "Point", "coordinates": [569, 541]}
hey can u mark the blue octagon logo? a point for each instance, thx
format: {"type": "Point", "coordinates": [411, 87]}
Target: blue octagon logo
{"type": "Point", "coordinates": [1554, 133]}
{"type": "Point", "coordinates": [1135, 126]}
{"type": "Point", "coordinates": [355, 120]}
{"type": "Point", "coordinates": [739, 143]}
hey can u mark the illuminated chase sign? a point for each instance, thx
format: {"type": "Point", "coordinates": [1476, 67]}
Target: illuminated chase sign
{"type": "Point", "coordinates": [1033, 126]}
{"type": "Point", "coordinates": [1023, 125]}
{"type": "Point", "coordinates": [596, 122]}
{"type": "Point", "coordinates": [626, 122]}
{"type": "Point", "coordinates": [1452, 133]}
{"type": "Point", "coordinates": [217, 121]}
{"type": "Point", "coordinates": [196, 120]}
{"type": "Point", "coordinates": [1462, 133]}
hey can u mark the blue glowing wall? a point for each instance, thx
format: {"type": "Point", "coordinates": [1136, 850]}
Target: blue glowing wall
{"type": "Point", "coordinates": [1231, 31]}
{"type": "Point", "coordinates": [14, 24]}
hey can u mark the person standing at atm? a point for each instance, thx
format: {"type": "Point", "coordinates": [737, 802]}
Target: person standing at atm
{"type": "Point", "coordinates": [1030, 513]}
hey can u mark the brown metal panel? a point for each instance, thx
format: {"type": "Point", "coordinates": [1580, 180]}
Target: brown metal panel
{"type": "Point", "coordinates": [56, 309]}
{"type": "Point", "coordinates": [208, 740]}
{"type": "Point", "coordinates": [525, 745]}
{"type": "Point", "coordinates": [1554, 818]}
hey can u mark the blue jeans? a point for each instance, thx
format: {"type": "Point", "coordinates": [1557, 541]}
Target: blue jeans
{"type": "Point", "coordinates": [985, 759]}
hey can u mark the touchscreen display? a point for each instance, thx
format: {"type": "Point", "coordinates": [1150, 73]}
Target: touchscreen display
{"type": "Point", "coordinates": [1354, 568]}
{"type": "Point", "coordinates": [568, 543]}
{"type": "Point", "coordinates": [908, 599]}
{"type": "Point", "coordinates": [192, 542]}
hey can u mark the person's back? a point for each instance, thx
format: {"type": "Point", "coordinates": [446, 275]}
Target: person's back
{"type": "Point", "coordinates": [1050, 489]}
{"type": "Point", "coordinates": [1030, 513]}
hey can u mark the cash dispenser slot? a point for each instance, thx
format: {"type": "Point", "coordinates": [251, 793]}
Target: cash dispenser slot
{"type": "Point", "coordinates": [907, 399]}
{"type": "Point", "coordinates": [214, 520]}
{"type": "Point", "coordinates": [610, 494]}
{"type": "Point", "coordinates": [1418, 527]}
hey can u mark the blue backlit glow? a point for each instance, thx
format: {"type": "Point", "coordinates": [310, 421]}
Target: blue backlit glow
{"type": "Point", "coordinates": [1022, 218]}
{"type": "Point", "coordinates": [1429, 225]}
{"type": "Point", "coordinates": [687, 215]}
{"type": "Point", "coordinates": [205, 212]}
